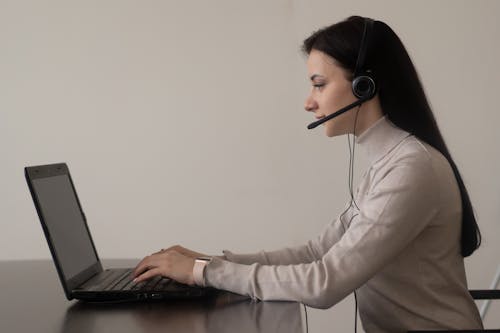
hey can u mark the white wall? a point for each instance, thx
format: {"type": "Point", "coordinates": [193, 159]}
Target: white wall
{"type": "Point", "coordinates": [183, 122]}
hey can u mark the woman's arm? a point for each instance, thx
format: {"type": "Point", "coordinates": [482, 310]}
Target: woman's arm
{"type": "Point", "coordinates": [306, 253]}
{"type": "Point", "coordinates": [400, 207]}
{"type": "Point", "coordinates": [311, 251]}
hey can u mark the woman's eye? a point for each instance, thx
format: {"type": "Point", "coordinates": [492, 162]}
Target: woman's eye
{"type": "Point", "coordinates": [318, 86]}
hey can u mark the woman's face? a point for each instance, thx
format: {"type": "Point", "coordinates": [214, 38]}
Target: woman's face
{"type": "Point", "coordinates": [330, 92]}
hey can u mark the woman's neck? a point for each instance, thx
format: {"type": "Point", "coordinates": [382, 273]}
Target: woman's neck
{"type": "Point", "coordinates": [369, 113]}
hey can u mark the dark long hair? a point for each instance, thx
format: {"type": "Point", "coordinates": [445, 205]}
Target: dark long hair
{"type": "Point", "coordinates": [400, 92]}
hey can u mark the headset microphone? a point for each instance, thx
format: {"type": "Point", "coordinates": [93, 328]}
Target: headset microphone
{"type": "Point", "coordinates": [339, 112]}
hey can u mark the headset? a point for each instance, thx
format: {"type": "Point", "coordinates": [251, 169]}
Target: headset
{"type": "Point", "coordinates": [363, 83]}
{"type": "Point", "coordinates": [364, 86]}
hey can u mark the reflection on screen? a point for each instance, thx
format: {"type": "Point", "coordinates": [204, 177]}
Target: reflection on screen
{"type": "Point", "coordinates": [65, 224]}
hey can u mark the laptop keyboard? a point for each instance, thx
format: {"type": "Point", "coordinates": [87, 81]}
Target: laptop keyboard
{"type": "Point", "coordinates": [121, 280]}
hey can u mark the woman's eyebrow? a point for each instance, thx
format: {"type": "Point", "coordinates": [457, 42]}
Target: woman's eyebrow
{"type": "Point", "coordinates": [315, 76]}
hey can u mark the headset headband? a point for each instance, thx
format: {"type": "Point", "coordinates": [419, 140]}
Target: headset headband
{"type": "Point", "coordinates": [360, 62]}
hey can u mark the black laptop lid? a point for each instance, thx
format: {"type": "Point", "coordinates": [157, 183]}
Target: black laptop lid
{"type": "Point", "coordinates": [64, 224]}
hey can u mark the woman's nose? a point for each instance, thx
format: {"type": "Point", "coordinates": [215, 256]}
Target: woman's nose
{"type": "Point", "coordinates": [310, 105]}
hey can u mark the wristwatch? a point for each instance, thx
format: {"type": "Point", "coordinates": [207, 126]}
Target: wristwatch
{"type": "Point", "coordinates": [199, 269]}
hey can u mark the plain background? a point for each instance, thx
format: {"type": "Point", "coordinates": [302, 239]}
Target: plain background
{"type": "Point", "coordinates": [182, 121]}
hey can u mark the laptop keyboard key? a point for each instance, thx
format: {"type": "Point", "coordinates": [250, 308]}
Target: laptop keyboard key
{"type": "Point", "coordinates": [139, 285]}
{"type": "Point", "coordinates": [152, 283]}
{"type": "Point", "coordinates": [120, 281]}
{"type": "Point", "coordinates": [130, 284]}
{"type": "Point", "coordinates": [102, 282]}
{"type": "Point", "coordinates": [162, 284]}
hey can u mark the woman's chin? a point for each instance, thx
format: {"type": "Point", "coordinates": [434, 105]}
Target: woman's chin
{"type": "Point", "coordinates": [332, 132]}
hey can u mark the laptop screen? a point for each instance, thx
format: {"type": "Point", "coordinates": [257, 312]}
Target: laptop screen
{"type": "Point", "coordinates": [65, 224]}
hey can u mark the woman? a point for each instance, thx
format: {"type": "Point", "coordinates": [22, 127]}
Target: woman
{"type": "Point", "coordinates": [401, 241]}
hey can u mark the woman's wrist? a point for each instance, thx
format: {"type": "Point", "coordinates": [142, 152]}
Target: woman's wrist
{"type": "Point", "coordinates": [200, 264]}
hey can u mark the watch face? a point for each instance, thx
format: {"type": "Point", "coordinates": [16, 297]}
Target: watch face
{"type": "Point", "coordinates": [206, 259]}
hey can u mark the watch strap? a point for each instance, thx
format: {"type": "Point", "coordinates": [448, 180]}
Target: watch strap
{"type": "Point", "coordinates": [199, 270]}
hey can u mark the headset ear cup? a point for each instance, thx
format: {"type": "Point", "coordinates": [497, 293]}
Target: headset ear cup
{"type": "Point", "coordinates": [363, 86]}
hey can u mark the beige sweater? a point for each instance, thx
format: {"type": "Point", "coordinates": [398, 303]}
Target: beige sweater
{"type": "Point", "coordinates": [400, 251]}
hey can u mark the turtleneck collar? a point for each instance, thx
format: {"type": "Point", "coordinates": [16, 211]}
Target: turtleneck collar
{"type": "Point", "coordinates": [380, 138]}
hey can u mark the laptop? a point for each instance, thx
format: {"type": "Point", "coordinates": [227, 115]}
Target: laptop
{"type": "Point", "coordinates": [73, 251]}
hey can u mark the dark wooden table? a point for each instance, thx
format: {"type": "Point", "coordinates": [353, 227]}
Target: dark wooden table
{"type": "Point", "coordinates": [32, 300]}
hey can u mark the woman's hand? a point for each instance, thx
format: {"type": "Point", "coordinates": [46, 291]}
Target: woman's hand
{"type": "Point", "coordinates": [187, 252]}
{"type": "Point", "coordinates": [167, 263]}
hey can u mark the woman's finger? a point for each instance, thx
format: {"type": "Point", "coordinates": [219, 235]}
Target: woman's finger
{"type": "Point", "coordinates": [145, 265]}
{"type": "Point", "coordinates": [148, 275]}
{"type": "Point", "coordinates": [138, 268]}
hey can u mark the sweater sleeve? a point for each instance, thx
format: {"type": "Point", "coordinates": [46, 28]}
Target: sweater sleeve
{"type": "Point", "coordinates": [390, 217]}
{"type": "Point", "coordinates": [313, 250]}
